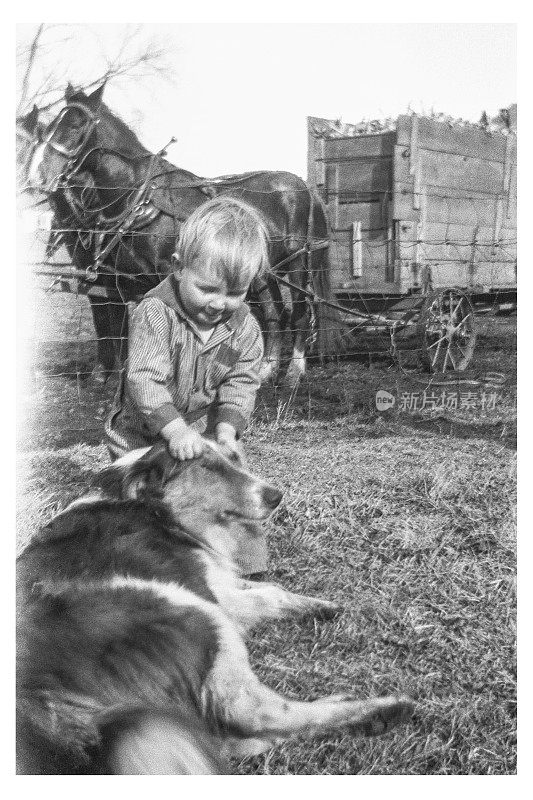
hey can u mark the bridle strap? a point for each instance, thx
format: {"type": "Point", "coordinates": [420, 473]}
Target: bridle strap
{"type": "Point", "coordinates": [24, 134]}
{"type": "Point", "coordinates": [91, 123]}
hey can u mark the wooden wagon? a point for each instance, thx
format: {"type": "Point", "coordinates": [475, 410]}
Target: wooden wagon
{"type": "Point", "coordinates": [423, 225]}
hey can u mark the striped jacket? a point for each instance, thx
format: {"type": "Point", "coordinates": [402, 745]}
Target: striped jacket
{"type": "Point", "coordinates": [171, 373]}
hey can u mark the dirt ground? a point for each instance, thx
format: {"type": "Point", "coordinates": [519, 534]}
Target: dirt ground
{"type": "Point", "coordinates": [60, 404]}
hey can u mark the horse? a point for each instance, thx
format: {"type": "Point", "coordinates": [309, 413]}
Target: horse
{"type": "Point", "coordinates": [143, 200]}
{"type": "Point", "coordinates": [74, 211]}
{"type": "Point", "coordinates": [28, 129]}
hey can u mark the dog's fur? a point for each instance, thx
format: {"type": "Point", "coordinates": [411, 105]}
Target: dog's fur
{"type": "Point", "coordinates": [131, 657]}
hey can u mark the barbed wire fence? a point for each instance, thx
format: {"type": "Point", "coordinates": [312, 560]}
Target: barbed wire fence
{"type": "Point", "coordinates": [62, 341]}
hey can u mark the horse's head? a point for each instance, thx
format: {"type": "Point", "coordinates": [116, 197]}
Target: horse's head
{"type": "Point", "coordinates": [66, 140]}
{"type": "Point", "coordinates": [28, 131]}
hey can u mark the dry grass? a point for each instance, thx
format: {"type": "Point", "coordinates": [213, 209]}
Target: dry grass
{"type": "Point", "coordinates": [416, 537]}
{"type": "Point", "coordinates": [408, 522]}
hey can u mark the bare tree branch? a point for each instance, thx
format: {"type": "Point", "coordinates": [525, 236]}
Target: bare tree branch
{"type": "Point", "coordinates": [32, 54]}
{"type": "Point", "coordinates": [47, 62]}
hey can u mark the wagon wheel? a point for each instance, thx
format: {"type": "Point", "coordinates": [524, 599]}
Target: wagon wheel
{"type": "Point", "coordinates": [446, 331]}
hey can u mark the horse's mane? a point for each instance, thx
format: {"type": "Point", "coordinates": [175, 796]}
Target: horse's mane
{"type": "Point", "coordinates": [129, 142]}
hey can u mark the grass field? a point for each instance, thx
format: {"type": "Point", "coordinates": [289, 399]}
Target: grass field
{"type": "Point", "coordinates": [407, 520]}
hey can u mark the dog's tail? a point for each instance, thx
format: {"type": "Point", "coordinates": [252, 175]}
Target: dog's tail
{"type": "Point", "coordinates": [159, 743]}
{"type": "Point", "coordinates": [123, 742]}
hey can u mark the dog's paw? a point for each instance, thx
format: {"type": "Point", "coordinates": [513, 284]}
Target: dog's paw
{"type": "Point", "coordinates": [385, 713]}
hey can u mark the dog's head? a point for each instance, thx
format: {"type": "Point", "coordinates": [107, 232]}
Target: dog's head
{"type": "Point", "coordinates": [211, 496]}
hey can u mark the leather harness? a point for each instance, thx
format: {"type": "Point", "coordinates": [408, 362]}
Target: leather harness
{"type": "Point", "coordinates": [143, 210]}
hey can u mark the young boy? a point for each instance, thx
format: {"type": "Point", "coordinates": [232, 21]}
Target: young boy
{"type": "Point", "coordinates": [194, 347]}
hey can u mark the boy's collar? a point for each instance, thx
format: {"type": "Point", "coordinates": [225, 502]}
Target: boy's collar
{"type": "Point", "coordinates": [168, 292]}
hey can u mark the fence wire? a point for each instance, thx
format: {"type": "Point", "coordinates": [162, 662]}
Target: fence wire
{"type": "Point", "coordinates": [63, 345]}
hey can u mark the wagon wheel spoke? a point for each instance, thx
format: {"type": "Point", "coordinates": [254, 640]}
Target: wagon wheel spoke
{"type": "Point", "coordinates": [435, 320]}
{"type": "Point", "coordinates": [450, 353]}
{"type": "Point", "coordinates": [450, 303]}
{"type": "Point", "coordinates": [438, 344]}
{"type": "Point", "coordinates": [436, 324]}
{"type": "Point", "coordinates": [437, 353]}
{"type": "Point", "coordinates": [446, 330]}
{"type": "Point", "coordinates": [457, 307]}
{"type": "Point", "coordinates": [460, 324]}
{"type": "Point", "coordinates": [438, 341]}
{"type": "Point", "coordinates": [443, 368]}
{"type": "Point", "coordinates": [441, 311]}
{"type": "Point", "coordinates": [463, 352]}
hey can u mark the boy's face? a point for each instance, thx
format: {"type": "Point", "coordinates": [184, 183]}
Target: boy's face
{"type": "Point", "coordinates": [206, 298]}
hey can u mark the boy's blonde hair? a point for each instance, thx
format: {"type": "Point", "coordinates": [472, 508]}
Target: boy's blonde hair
{"type": "Point", "coordinates": [228, 236]}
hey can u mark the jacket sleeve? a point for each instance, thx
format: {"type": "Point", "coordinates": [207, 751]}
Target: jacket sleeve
{"type": "Point", "coordinates": [150, 364]}
{"type": "Point", "coordinates": [236, 394]}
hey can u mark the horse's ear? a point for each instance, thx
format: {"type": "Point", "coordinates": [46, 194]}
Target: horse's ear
{"type": "Point", "coordinates": [33, 118]}
{"type": "Point", "coordinates": [94, 99]}
{"type": "Point", "coordinates": [30, 121]}
{"type": "Point", "coordinates": [70, 91]}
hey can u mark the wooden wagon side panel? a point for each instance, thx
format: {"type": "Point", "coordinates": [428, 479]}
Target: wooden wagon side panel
{"type": "Point", "coordinates": [315, 159]}
{"type": "Point", "coordinates": [454, 206]}
{"type": "Point", "coordinates": [441, 137]}
{"type": "Point", "coordinates": [426, 204]}
{"type": "Point", "coordinates": [353, 174]}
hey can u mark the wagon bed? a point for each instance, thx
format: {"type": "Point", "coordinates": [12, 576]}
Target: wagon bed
{"type": "Point", "coordinates": [426, 205]}
{"type": "Point", "coordinates": [422, 217]}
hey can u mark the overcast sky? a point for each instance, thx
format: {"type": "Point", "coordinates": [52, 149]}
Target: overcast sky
{"type": "Point", "coordinates": [240, 93]}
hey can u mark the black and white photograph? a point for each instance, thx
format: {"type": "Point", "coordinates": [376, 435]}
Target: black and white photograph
{"type": "Point", "coordinates": [266, 389]}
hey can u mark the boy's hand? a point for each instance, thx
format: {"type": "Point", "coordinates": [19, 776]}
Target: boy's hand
{"type": "Point", "coordinates": [226, 437]}
{"type": "Point", "coordinates": [183, 442]}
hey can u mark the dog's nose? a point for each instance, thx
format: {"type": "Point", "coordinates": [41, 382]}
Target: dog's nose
{"type": "Point", "coordinates": [271, 496]}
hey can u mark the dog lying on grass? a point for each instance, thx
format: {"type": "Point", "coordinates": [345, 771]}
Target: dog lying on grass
{"type": "Point", "coordinates": [131, 657]}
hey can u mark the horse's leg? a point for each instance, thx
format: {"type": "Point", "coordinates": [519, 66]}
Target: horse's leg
{"type": "Point", "coordinates": [272, 307]}
{"type": "Point", "coordinates": [105, 361]}
{"type": "Point", "coordinates": [142, 257]}
{"type": "Point", "coordinates": [118, 326]}
{"type": "Point", "coordinates": [300, 329]}
{"type": "Point", "coordinates": [300, 319]}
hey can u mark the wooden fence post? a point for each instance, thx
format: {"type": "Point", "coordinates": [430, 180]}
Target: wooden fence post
{"type": "Point", "coordinates": [357, 251]}
{"type": "Point", "coordinates": [414, 163]}
{"type": "Point", "coordinates": [473, 257]}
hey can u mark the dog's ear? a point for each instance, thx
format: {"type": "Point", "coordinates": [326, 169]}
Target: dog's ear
{"type": "Point", "coordinates": [143, 482]}
{"type": "Point", "coordinates": [139, 479]}
{"type": "Point", "coordinates": [128, 483]}
{"type": "Point", "coordinates": [109, 480]}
